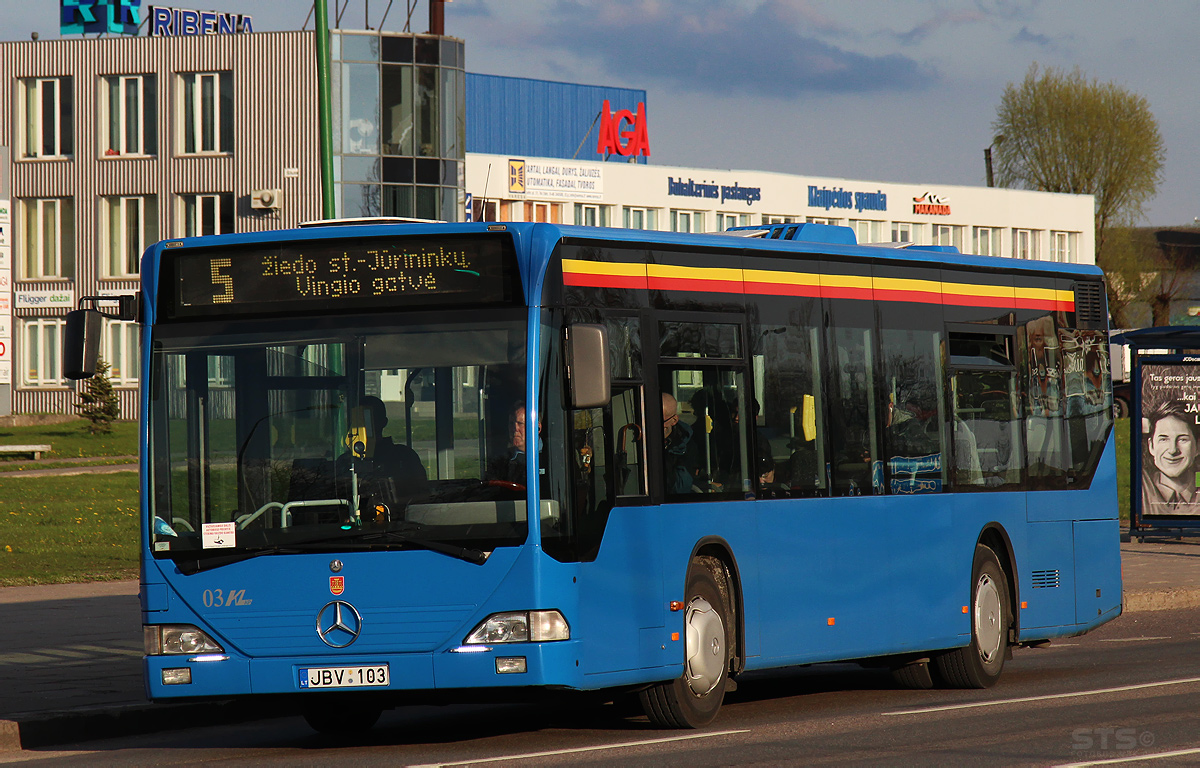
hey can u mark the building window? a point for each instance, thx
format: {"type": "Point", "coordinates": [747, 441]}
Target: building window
{"type": "Point", "coordinates": [544, 212]}
{"type": "Point", "coordinates": [121, 350]}
{"type": "Point", "coordinates": [207, 112]}
{"type": "Point", "coordinates": [867, 231]}
{"type": "Point", "coordinates": [948, 234]}
{"type": "Point", "coordinates": [905, 232]}
{"type": "Point", "coordinates": [641, 218]}
{"type": "Point", "coordinates": [207, 214]}
{"type": "Point", "coordinates": [41, 352]}
{"type": "Point", "coordinates": [823, 220]}
{"type": "Point", "coordinates": [129, 115]}
{"type": "Point", "coordinates": [45, 106]}
{"type": "Point", "coordinates": [48, 239]}
{"type": "Point", "coordinates": [130, 225]}
{"type": "Point", "coordinates": [687, 221]}
{"type": "Point", "coordinates": [987, 241]}
{"type": "Point", "coordinates": [488, 210]}
{"type": "Point", "coordinates": [727, 220]}
{"type": "Point", "coordinates": [769, 219]}
{"type": "Point", "coordinates": [1063, 246]}
{"type": "Point", "coordinates": [591, 215]}
{"type": "Point", "coordinates": [1025, 243]}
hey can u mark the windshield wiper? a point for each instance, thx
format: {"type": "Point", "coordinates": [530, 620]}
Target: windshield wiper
{"type": "Point", "coordinates": [188, 567]}
{"type": "Point", "coordinates": [191, 566]}
{"type": "Point", "coordinates": [475, 556]}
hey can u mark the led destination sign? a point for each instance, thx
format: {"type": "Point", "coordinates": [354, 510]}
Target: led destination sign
{"type": "Point", "coordinates": [342, 275]}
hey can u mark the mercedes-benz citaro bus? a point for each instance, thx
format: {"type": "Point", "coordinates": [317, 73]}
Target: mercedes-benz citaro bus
{"type": "Point", "coordinates": [391, 463]}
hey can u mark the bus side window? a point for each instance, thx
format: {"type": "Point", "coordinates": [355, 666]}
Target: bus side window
{"type": "Point", "coordinates": [1041, 371]}
{"type": "Point", "coordinates": [986, 411]}
{"type": "Point", "coordinates": [853, 432]}
{"type": "Point", "coordinates": [629, 446]}
{"type": "Point", "coordinates": [789, 411]}
{"type": "Point", "coordinates": [705, 442]}
{"type": "Point", "coordinates": [1088, 397]}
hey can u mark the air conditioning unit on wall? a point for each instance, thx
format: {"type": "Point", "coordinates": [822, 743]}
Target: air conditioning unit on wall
{"type": "Point", "coordinates": [266, 198]}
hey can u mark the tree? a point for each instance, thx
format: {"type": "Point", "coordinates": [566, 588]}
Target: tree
{"type": "Point", "coordinates": [1060, 132]}
{"type": "Point", "coordinates": [98, 402]}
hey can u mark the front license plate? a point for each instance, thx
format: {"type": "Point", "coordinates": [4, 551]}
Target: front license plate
{"type": "Point", "coordinates": [345, 677]}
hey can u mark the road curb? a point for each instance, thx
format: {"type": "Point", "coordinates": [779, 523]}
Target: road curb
{"type": "Point", "coordinates": [44, 729]}
{"type": "Point", "coordinates": [1162, 599]}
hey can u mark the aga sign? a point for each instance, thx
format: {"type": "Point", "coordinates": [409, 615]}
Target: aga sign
{"type": "Point", "coordinates": [623, 133]}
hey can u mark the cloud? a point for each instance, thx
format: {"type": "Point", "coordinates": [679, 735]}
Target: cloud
{"type": "Point", "coordinates": [469, 8]}
{"type": "Point", "coordinates": [919, 33]}
{"type": "Point", "coordinates": [721, 46]}
{"type": "Point", "coordinates": [1041, 41]}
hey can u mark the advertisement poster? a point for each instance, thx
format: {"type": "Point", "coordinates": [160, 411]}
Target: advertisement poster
{"type": "Point", "coordinates": [1170, 440]}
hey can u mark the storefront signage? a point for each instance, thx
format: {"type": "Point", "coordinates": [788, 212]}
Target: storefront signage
{"type": "Point", "coordinates": [932, 205]}
{"type": "Point", "coordinates": [616, 138]}
{"type": "Point", "coordinates": [180, 22]}
{"type": "Point", "coordinates": [114, 17]}
{"type": "Point", "coordinates": [64, 298]}
{"type": "Point", "coordinates": [722, 192]}
{"type": "Point", "coordinates": [824, 197]}
{"type": "Point", "coordinates": [547, 178]}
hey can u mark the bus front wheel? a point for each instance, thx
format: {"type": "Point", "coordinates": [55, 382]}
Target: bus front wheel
{"type": "Point", "coordinates": [979, 664]}
{"type": "Point", "coordinates": [692, 700]}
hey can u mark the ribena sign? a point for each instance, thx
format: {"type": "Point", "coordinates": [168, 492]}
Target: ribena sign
{"type": "Point", "coordinates": [616, 139]}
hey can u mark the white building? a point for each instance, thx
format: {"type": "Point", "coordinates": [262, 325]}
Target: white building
{"type": "Point", "coordinates": [979, 220]}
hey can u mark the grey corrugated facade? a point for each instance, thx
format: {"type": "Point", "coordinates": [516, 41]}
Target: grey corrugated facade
{"type": "Point", "coordinates": [274, 147]}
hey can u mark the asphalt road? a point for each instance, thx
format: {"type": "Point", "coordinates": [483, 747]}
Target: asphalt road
{"type": "Point", "coordinates": [1128, 690]}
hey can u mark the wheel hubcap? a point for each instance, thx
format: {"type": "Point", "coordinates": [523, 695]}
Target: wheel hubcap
{"type": "Point", "coordinates": [989, 615]}
{"type": "Point", "coordinates": [705, 647]}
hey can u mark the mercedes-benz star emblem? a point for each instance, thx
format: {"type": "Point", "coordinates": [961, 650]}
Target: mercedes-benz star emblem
{"type": "Point", "coordinates": [338, 624]}
{"type": "Point", "coordinates": [335, 565]}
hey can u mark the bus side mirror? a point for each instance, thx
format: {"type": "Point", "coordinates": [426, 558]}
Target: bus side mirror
{"type": "Point", "coordinates": [588, 372]}
{"type": "Point", "coordinates": [81, 345]}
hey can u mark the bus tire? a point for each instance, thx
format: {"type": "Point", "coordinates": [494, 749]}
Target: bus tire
{"type": "Point", "coordinates": [339, 719]}
{"type": "Point", "coordinates": [979, 664]}
{"type": "Point", "coordinates": [915, 676]}
{"type": "Point", "coordinates": [693, 699]}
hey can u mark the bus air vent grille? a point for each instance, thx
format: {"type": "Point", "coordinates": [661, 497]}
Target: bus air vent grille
{"type": "Point", "coordinates": [1045, 579]}
{"type": "Point", "coordinates": [1089, 306]}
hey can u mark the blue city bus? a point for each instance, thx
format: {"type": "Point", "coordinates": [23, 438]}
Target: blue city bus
{"type": "Point", "coordinates": [897, 455]}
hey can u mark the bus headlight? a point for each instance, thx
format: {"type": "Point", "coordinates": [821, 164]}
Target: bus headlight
{"type": "Point", "coordinates": [520, 627]}
{"type": "Point", "coordinates": [177, 639]}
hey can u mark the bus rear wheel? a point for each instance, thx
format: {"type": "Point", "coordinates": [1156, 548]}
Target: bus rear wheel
{"type": "Point", "coordinates": [693, 699]}
{"type": "Point", "coordinates": [979, 664]}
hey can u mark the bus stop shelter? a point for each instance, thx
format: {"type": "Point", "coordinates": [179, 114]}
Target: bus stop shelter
{"type": "Point", "coordinates": [1164, 429]}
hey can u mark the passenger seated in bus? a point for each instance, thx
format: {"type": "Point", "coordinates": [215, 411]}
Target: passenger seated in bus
{"type": "Point", "coordinates": [679, 465]}
{"type": "Point", "coordinates": [388, 473]}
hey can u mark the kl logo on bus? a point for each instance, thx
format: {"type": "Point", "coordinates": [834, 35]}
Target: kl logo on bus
{"type": "Point", "coordinates": [337, 584]}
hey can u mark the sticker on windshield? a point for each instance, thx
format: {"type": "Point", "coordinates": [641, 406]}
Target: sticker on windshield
{"type": "Point", "coordinates": [218, 535]}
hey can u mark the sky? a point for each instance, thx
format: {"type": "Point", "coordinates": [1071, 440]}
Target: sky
{"type": "Point", "coordinates": [879, 90]}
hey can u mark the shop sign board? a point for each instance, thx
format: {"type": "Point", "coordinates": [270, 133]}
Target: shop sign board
{"type": "Point", "coordinates": [555, 179]}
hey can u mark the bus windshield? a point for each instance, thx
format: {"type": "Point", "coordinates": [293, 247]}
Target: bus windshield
{"type": "Point", "coordinates": [267, 439]}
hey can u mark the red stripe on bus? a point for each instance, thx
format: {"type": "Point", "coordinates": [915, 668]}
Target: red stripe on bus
{"type": "Point", "coordinates": [586, 280]}
{"type": "Point", "coordinates": [921, 297]}
{"type": "Point", "coordinates": [832, 292]}
{"type": "Point", "coordinates": [701, 285]}
{"type": "Point", "coordinates": [784, 289]}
